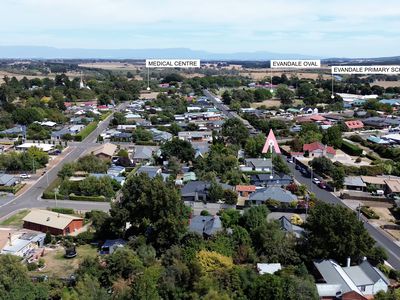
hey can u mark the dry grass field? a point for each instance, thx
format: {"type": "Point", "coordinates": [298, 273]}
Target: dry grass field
{"type": "Point", "coordinates": [113, 66]}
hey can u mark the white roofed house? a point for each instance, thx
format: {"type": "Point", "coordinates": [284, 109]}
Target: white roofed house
{"type": "Point", "coordinates": [363, 279]}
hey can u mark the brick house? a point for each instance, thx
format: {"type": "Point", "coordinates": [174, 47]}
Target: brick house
{"type": "Point", "coordinates": [55, 223]}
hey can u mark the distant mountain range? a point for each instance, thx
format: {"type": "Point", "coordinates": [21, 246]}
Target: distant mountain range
{"type": "Point", "coordinates": [39, 52]}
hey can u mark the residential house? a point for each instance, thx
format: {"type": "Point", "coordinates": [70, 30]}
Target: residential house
{"type": "Point", "coordinates": [354, 183]}
{"type": "Point", "coordinates": [363, 279]}
{"type": "Point", "coordinates": [110, 246]}
{"type": "Point", "coordinates": [199, 190]}
{"type": "Point", "coordinates": [105, 151]}
{"type": "Point", "coordinates": [195, 136]}
{"type": "Point", "coordinates": [270, 180]}
{"type": "Point", "coordinates": [151, 171]}
{"type": "Point", "coordinates": [160, 136]}
{"type": "Point", "coordinates": [268, 268]}
{"type": "Point", "coordinates": [309, 110]}
{"type": "Point", "coordinates": [245, 190]}
{"type": "Point", "coordinates": [391, 102]}
{"type": "Point", "coordinates": [8, 180]}
{"type": "Point", "coordinates": [354, 125]}
{"type": "Point", "coordinates": [274, 193]}
{"type": "Point", "coordinates": [55, 223]}
{"type": "Point", "coordinates": [318, 149]}
{"type": "Point", "coordinates": [144, 153]}
{"type": "Point", "coordinates": [23, 245]}
{"type": "Point", "coordinates": [206, 226]}
{"type": "Point", "coordinates": [258, 164]}
{"type": "Point", "coordinates": [287, 226]}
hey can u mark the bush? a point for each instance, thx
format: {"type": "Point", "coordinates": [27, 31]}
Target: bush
{"type": "Point", "coordinates": [32, 266]}
{"type": "Point", "coordinates": [12, 189]}
{"type": "Point", "coordinates": [351, 149]}
{"type": "Point", "coordinates": [369, 213]}
{"type": "Point", "coordinates": [87, 198]}
{"type": "Point", "coordinates": [84, 238]}
{"type": "Point", "coordinates": [62, 210]}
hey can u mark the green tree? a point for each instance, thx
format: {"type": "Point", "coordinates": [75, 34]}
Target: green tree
{"type": "Point", "coordinates": [279, 165]}
{"type": "Point", "coordinates": [333, 136]}
{"type": "Point", "coordinates": [178, 148]}
{"type": "Point", "coordinates": [324, 234]}
{"type": "Point", "coordinates": [154, 208]}
{"type": "Point", "coordinates": [284, 94]}
{"type": "Point", "coordinates": [254, 216]}
{"type": "Point", "coordinates": [230, 197]}
{"type": "Point", "coordinates": [15, 283]}
{"type": "Point", "coordinates": [235, 131]}
{"type": "Point", "coordinates": [274, 245]}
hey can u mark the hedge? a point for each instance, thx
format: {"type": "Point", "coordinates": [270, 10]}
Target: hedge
{"type": "Point", "coordinates": [369, 213]}
{"type": "Point", "coordinates": [12, 189]}
{"type": "Point", "coordinates": [63, 210]}
{"type": "Point", "coordinates": [87, 198]}
{"type": "Point", "coordinates": [86, 131]}
{"type": "Point", "coordinates": [351, 149]}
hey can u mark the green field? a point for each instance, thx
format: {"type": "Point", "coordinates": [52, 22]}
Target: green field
{"type": "Point", "coordinates": [16, 219]}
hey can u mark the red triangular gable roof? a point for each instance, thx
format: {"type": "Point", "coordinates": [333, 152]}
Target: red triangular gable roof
{"type": "Point", "coordinates": [271, 140]}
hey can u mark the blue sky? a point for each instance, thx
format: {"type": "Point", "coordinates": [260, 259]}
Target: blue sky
{"type": "Point", "coordinates": [340, 28]}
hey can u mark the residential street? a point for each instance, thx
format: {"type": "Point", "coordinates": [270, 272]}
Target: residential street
{"type": "Point", "coordinates": [31, 197]}
{"type": "Point", "coordinates": [379, 236]}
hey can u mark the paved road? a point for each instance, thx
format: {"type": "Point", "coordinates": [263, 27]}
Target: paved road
{"type": "Point", "coordinates": [379, 236]}
{"type": "Point", "coordinates": [31, 198]}
{"type": "Point", "coordinates": [227, 112]}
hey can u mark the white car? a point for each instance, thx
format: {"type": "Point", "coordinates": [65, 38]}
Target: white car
{"type": "Point", "coordinates": [24, 176]}
{"type": "Point", "coordinates": [316, 180]}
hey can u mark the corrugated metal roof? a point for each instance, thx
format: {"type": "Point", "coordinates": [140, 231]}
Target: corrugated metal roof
{"type": "Point", "coordinates": [50, 219]}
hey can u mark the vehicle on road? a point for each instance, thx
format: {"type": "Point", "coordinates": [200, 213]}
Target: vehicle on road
{"type": "Point", "coordinates": [378, 193]}
{"type": "Point", "coordinates": [316, 180]}
{"type": "Point", "coordinates": [322, 185]}
{"type": "Point", "coordinates": [24, 176]}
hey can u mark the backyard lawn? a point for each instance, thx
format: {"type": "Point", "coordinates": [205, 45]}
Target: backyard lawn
{"type": "Point", "coordinates": [16, 219]}
{"type": "Point", "coordinates": [58, 266]}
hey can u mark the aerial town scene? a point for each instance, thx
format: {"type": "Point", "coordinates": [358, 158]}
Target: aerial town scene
{"type": "Point", "coordinates": [185, 150]}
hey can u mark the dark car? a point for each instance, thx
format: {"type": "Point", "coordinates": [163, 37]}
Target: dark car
{"type": "Point", "coordinates": [322, 185]}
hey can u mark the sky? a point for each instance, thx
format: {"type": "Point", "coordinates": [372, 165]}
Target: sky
{"type": "Point", "coordinates": [334, 28]}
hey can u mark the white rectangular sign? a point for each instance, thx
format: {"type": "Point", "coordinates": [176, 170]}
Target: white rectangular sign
{"type": "Point", "coordinates": [295, 63]}
{"type": "Point", "coordinates": [172, 63]}
{"type": "Point", "coordinates": [366, 69]}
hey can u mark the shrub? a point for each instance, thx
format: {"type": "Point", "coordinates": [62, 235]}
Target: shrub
{"type": "Point", "coordinates": [87, 198]}
{"type": "Point", "coordinates": [62, 210]}
{"type": "Point", "coordinates": [84, 238]}
{"type": "Point", "coordinates": [351, 149]}
{"type": "Point", "coordinates": [32, 266]}
{"type": "Point", "coordinates": [369, 213]}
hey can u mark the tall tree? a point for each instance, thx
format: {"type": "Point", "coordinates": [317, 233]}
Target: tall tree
{"type": "Point", "coordinates": [153, 208]}
{"type": "Point", "coordinates": [235, 131]}
{"type": "Point", "coordinates": [333, 232]}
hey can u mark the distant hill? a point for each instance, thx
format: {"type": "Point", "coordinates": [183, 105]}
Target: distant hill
{"type": "Point", "coordinates": [39, 52]}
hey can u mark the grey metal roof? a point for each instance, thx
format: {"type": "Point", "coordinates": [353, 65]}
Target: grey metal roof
{"type": "Point", "coordinates": [259, 162]}
{"type": "Point", "coordinates": [7, 180]}
{"type": "Point", "coordinates": [208, 225]}
{"type": "Point", "coordinates": [354, 181]}
{"type": "Point", "coordinates": [365, 274]}
{"type": "Point", "coordinates": [275, 193]}
{"type": "Point", "coordinates": [333, 274]}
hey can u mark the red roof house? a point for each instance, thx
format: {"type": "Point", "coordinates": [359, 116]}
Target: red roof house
{"type": "Point", "coordinates": [355, 124]}
{"type": "Point", "coordinates": [318, 149]}
{"type": "Point", "coordinates": [245, 190]}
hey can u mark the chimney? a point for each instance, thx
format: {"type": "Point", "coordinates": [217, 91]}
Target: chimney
{"type": "Point", "coordinates": [348, 262]}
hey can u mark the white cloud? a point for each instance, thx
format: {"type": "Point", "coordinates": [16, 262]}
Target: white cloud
{"type": "Point", "coordinates": [214, 24]}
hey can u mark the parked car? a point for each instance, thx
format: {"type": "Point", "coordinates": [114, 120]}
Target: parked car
{"type": "Point", "coordinates": [322, 185]}
{"type": "Point", "coordinates": [378, 193]}
{"type": "Point", "coordinates": [24, 176]}
{"type": "Point", "coordinates": [316, 180]}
